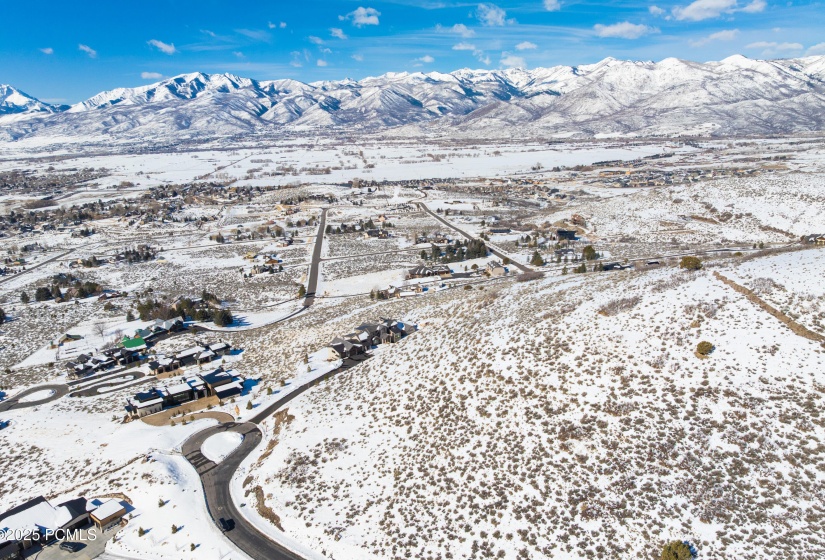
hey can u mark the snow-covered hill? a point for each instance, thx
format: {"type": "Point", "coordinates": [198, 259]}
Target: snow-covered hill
{"type": "Point", "coordinates": [613, 97]}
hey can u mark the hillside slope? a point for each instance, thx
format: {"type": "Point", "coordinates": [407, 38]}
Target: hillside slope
{"type": "Point", "coordinates": [520, 422]}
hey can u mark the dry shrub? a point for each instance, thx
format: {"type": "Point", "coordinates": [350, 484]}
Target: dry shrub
{"type": "Point", "coordinates": [619, 305]}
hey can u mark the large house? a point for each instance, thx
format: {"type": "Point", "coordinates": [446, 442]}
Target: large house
{"type": "Point", "coordinates": [37, 521]}
{"type": "Point", "coordinates": [495, 268]}
{"type": "Point", "coordinates": [441, 270]}
{"type": "Point", "coordinates": [219, 383]}
{"type": "Point", "coordinates": [85, 364]}
{"type": "Point", "coordinates": [366, 336]}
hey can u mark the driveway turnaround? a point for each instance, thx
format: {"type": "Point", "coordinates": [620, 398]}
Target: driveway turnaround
{"type": "Point", "coordinates": [216, 477]}
{"type": "Point", "coordinates": [14, 402]}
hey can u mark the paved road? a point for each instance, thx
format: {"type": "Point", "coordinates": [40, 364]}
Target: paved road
{"type": "Point", "coordinates": [10, 277]}
{"type": "Point", "coordinates": [216, 478]}
{"type": "Point", "coordinates": [92, 390]}
{"type": "Point", "coordinates": [14, 402]}
{"type": "Point", "coordinates": [312, 282]}
{"type": "Point", "coordinates": [496, 252]}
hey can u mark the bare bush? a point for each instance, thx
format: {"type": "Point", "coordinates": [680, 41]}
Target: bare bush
{"type": "Point", "coordinates": [617, 306]}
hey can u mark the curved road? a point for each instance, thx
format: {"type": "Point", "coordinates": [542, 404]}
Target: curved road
{"type": "Point", "coordinates": [216, 478]}
{"type": "Point", "coordinates": [92, 390]}
{"type": "Point", "coordinates": [14, 402]}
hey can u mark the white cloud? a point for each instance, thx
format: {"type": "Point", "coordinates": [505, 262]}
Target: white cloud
{"type": "Point", "coordinates": [725, 35]}
{"type": "Point", "coordinates": [362, 16]}
{"type": "Point", "coordinates": [88, 50]}
{"type": "Point", "coordinates": [816, 49]}
{"type": "Point", "coordinates": [281, 25]}
{"type": "Point", "coordinates": [755, 6]}
{"type": "Point", "coordinates": [426, 59]}
{"type": "Point", "coordinates": [321, 63]}
{"type": "Point", "coordinates": [526, 46]}
{"type": "Point", "coordinates": [168, 48]}
{"type": "Point", "coordinates": [295, 59]}
{"type": "Point", "coordinates": [655, 10]}
{"type": "Point", "coordinates": [477, 53]}
{"type": "Point", "coordinates": [511, 61]}
{"type": "Point", "coordinates": [358, 57]}
{"type": "Point", "coordinates": [703, 9]}
{"type": "Point", "coordinates": [47, 50]}
{"type": "Point", "coordinates": [491, 15]}
{"type": "Point", "coordinates": [338, 33]}
{"type": "Point", "coordinates": [461, 29]}
{"type": "Point", "coordinates": [552, 5]}
{"type": "Point", "coordinates": [770, 48]}
{"type": "Point", "coordinates": [239, 54]}
{"type": "Point", "coordinates": [316, 40]}
{"type": "Point", "coordinates": [151, 75]}
{"type": "Point", "coordinates": [624, 30]}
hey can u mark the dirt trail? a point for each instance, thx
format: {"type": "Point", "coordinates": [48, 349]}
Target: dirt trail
{"type": "Point", "coordinates": [797, 329]}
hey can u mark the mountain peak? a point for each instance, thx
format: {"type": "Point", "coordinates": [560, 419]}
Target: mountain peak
{"type": "Point", "coordinates": [14, 101]}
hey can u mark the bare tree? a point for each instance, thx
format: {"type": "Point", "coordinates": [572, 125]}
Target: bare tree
{"type": "Point", "coordinates": [99, 329]}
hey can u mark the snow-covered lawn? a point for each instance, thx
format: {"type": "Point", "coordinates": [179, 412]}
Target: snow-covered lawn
{"type": "Point", "coordinates": [216, 448]}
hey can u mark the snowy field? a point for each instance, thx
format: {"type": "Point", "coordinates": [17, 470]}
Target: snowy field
{"type": "Point", "coordinates": [564, 417]}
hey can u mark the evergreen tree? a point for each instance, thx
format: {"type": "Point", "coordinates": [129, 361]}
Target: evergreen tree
{"type": "Point", "coordinates": [24, 297]}
{"type": "Point", "coordinates": [536, 260]}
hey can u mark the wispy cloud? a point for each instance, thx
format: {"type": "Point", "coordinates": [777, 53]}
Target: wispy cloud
{"type": "Point", "coordinates": [512, 61]}
{"type": "Point", "coordinates": [338, 33]}
{"type": "Point", "coordinates": [47, 50]}
{"type": "Point", "coordinates": [151, 75]}
{"type": "Point", "coordinates": [464, 47]}
{"type": "Point", "coordinates": [256, 34]}
{"type": "Point", "coordinates": [88, 50]}
{"type": "Point", "coordinates": [239, 54]}
{"type": "Point", "coordinates": [358, 57]}
{"type": "Point", "coordinates": [168, 48]}
{"type": "Point", "coordinates": [316, 40]}
{"type": "Point", "coordinates": [426, 59]}
{"type": "Point", "coordinates": [624, 30]}
{"type": "Point", "coordinates": [362, 16]}
{"type": "Point", "coordinates": [281, 25]}
{"type": "Point", "coordinates": [656, 10]}
{"type": "Point", "coordinates": [755, 7]}
{"type": "Point", "coordinates": [491, 15]}
{"type": "Point", "coordinates": [725, 35]}
{"type": "Point", "coordinates": [526, 46]}
{"type": "Point", "coordinates": [771, 48]}
{"type": "Point", "coordinates": [458, 29]}
{"type": "Point", "coordinates": [552, 5]}
{"type": "Point", "coordinates": [322, 63]}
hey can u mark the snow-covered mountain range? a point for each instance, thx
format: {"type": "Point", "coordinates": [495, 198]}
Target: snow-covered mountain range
{"type": "Point", "coordinates": [735, 96]}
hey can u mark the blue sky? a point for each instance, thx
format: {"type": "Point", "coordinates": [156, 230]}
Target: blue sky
{"type": "Point", "coordinates": [66, 54]}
